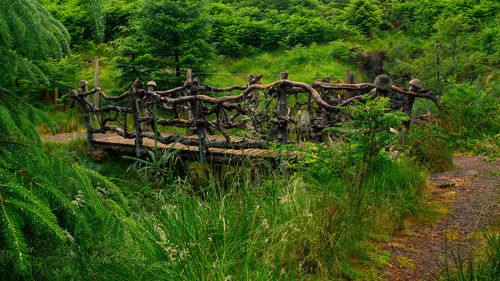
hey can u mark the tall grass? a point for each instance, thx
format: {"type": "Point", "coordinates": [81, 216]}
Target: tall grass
{"type": "Point", "coordinates": [484, 266]}
{"type": "Point", "coordinates": [318, 221]}
{"type": "Point", "coordinates": [305, 64]}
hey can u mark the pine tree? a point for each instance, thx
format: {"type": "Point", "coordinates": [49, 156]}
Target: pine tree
{"type": "Point", "coordinates": [176, 32]}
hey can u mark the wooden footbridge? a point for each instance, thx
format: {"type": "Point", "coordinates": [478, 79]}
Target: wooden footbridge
{"type": "Point", "coordinates": [224, 125]}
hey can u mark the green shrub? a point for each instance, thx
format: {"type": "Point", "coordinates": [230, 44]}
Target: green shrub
{"type": "Point", "coordinates": [46, 202]}
{"type": "Point", "coordinates": [474, 111]}
{"type": "Point", "coordinates": [341, 50]}
{"type": "Point", "coordinates": [364, 14]}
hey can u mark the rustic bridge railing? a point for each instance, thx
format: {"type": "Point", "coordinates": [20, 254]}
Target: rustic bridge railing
{"type": "Point", "coordinates": [266, 112]}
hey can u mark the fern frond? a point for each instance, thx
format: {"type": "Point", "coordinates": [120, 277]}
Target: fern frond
{"type": "Point", "coordinates": [11, 224]}
{"type": "Point", "coordinates": [45, 221]}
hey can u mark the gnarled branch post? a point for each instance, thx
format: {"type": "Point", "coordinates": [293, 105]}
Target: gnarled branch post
{"type": "Point", "coordinates": [136, 115]}
{"type": "Point", "coordinates": [84, 102]}
{"type": "Point", "coordinates": [200, 129]}
{"type": "Point", "coordinates": [282, 110]}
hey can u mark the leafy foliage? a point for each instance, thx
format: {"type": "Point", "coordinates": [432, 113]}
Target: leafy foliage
{"type": "Point", "coordinates": [22, 40]}
{"type": "Point", "coordinates": [43, 197]}
{"type": "Point", "coordinates": [95, 20]}
{"type": "Point", "coordinates": [364, 14]}
{"type": "Point", "coordinates": [369, 128]}
{"type": "Point", "coordinates": [476, 112]}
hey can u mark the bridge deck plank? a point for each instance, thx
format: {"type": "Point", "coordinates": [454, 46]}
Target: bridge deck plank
{"type": "Point", "coordinates": [116, 142]}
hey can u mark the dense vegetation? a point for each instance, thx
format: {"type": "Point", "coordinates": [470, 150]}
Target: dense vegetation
{"type": "Point", "coordinates": [65, 215]}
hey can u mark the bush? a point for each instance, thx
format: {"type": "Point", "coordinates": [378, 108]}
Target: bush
{"type": "Point", "coordinates": [341, 50]}
{"type": "Point", "coordinates": [474, 111]}
{"type": "Point", "coordinates": [363, 14]}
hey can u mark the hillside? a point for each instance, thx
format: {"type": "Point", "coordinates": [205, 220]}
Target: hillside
{"type": "Point", "coordinates": [342, 188]}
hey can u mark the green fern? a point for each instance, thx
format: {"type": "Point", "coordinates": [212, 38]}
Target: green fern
{"type": "Point", "coordinates": [28, 32]}
{"type": "Point", "coordinates": [43, 197]}
{"type": "Point", "coordinates": [46, 202]}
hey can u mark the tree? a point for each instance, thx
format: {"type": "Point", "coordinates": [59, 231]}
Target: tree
{"type": "Point", "coordinates": [448, 32]}
{"type": "Point", "coordinates": [131, 60]}
{"type": "Point", "coordinates": [176, 32]}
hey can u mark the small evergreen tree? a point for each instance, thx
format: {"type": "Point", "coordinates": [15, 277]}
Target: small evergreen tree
{"type": "Point", "coordinates": [176, 32]}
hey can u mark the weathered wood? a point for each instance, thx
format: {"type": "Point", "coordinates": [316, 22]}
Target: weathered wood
{"type": "Point", "coordinates": [147, 102]}
{"type": "Point", "coordinates": [415, 85]}
{"type": "Point", "coordinates": [365, 87]}
{"type": "Point", "coordinates": [136, 115]}
{"type": "Point", "coordinates": [112, 98]}
{"type": "Point", "coordinates": [438, 65]}
{"type": "Point", "coordinates": [242, 111]}
{"type": "Point", "coordinates": [208, 88]}
{"type": "Point", "coordinates": [244, 144]}
{"type": "Point", "coordinates": [115, 129]}
{"type": "Point", "coordinates": [109, 108]}
{"type": "Point", "coordinates": [85, 113]}
{"type": "Point", "coordinates": [200, 129]}
{"type": "Point", "coordinates": [219, 155]}
{"type": "Point", "coordinates": [96, 81]}
{"type": "Point", "coordinates": [56, 95]}
{"type": "Point", "coordinates": [282, 110]}
{"type": "Point", "coordinates": [349, 79]}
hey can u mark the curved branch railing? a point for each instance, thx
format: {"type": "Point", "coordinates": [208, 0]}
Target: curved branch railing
{"type": "Point", "coordinates": [244, 111]}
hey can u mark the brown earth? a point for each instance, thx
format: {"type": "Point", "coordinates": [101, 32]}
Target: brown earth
{"type": "Point", "coordinates": [472, 196]}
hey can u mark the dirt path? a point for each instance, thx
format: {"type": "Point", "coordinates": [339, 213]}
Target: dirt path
{"type": "Point", "coordinates": [69, 137]}
{"type": "Point", "coordinates": [473, 195]}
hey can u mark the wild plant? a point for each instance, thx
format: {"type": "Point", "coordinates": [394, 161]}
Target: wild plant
{"type": "Point", "coordinates": [46, 202]}
{"type": "Point", "coordinates": [368, 129]}
{"type": "Point", "coordinates": [158, 167]}
{"type": "Point", "coordinates": [485, 266]}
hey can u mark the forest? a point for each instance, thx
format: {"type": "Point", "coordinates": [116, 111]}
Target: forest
{"type": "Point", "coordinates": [341, 190]}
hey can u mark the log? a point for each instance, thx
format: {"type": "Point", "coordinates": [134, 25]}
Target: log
{"type": "Point", "coordinates": [370, 86]}
{"type": "Point", "coordinates": [200, 129]}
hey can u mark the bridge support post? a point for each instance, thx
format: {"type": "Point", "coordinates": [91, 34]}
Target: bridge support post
{"type": "Point", "coordinates": [136, 114]}
{"type": "Point", "coordinates": [200, 129]}
{"type": "Point", "coordinates": [282, 110]}
{"type": "Point", "coordinates": [349, 79]}
{"type": "Point", "coordinates": [84, 102]}
{"type": "Point", "coordinates": [147, 103]}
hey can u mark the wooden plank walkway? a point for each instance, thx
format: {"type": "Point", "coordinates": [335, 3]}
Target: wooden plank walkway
{"type": "Point", "coordinates": [112, 142]}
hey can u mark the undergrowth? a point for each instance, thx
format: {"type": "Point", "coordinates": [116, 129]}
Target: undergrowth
{"type": "Point", "coordinates": [318, 219]}
{"type": "Point", "coordinates": [254, 223]}
{"type": "Point", "coordinates": [484, 265]}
